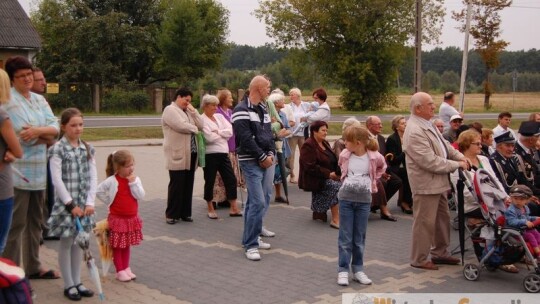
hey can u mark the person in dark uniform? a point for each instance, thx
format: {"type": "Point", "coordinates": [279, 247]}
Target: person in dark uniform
{"type": "Point", "coordinates": [529, 132]}
{"type": "Point", "coordinates": [505, 164]}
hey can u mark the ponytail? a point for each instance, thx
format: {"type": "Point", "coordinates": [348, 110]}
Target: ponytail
{"type": "Point", "coordinates": [109, 169]}
{"type": "Point", "coordinates": [372, 144]}
{"type": "Point", "coordinates": [117, 159]}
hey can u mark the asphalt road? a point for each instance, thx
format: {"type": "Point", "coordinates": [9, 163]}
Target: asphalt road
{"type": "Point", "coordinates": [153, 121]}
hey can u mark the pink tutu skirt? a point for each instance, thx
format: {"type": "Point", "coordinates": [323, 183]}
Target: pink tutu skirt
{"type": "Point", "coordinates": [124, 231]}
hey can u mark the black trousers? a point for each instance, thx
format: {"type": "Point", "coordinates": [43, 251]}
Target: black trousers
{"type": "Point", "coordinates": [392, 185]}
{"type": "Point", "coordinates": [218, 162]}
{"type": "Point", "coordinates": [406, 194]}
{"type": "Point", "coordinates": [180, 193]}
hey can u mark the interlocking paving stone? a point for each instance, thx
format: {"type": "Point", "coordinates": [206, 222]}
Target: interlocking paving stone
{"type": "Point", "coordinates": [203, 261]}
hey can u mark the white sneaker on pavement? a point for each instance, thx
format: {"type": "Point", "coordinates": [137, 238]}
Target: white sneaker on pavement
{"type": "Point", "coordinates": [263, 245]}
{"type": "Point", "coordinates": [362, 278]}
{"type": "Point", "coordinates": [267, 233]}
{"type": "Point", "coordinates": [253, 254]}
{"type": "Point", "coordinates": [343, 278]}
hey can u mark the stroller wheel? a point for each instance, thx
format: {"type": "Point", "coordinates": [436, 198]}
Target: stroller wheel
{"type": "Point", "coordinates": [532, 283]}
{"type": "Point", "coordinates": [471, 272]}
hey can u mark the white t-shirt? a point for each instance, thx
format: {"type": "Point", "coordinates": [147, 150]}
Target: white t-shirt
{"type": "Point", "coordinates": [446, 111]}
{"type": "Point", "coordinates": [357, 184]}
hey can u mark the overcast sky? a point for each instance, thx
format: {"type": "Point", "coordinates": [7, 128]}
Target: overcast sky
{"type": "Point", "coordinates": [520, 24]}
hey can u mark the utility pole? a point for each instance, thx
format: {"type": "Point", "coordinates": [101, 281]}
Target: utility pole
{"type": "Point", "coordinates": [514, 87]}
{"type": "Point", "coordinates": [465, 59]}
{"type": "Point", "coordinates": [418, 48]}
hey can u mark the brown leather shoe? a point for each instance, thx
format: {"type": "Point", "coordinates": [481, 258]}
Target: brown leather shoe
{"type": "Point", "coordinates": [428, 266]}
{"type": "Point", "coordinates": [446, 260]}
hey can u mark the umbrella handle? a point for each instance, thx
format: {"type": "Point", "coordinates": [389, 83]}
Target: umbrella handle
{"type": "Point", "coordinates": [78, 224]}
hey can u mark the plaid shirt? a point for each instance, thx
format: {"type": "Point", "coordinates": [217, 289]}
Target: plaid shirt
{"type": "Point", "coordinates": [75, 179]}
{"type": "Point", "coordinates": [33, 112]}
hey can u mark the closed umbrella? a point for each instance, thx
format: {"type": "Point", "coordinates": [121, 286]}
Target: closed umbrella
{"type": "Point", "coordinates": [83, 240]}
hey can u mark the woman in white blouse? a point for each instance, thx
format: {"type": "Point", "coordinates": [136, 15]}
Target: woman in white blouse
{"type": "Point", "coordinates": [217, 130]}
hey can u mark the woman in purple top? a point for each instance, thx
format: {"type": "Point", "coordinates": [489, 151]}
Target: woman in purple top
{"type": "Point", "coordinates": [225, 108]}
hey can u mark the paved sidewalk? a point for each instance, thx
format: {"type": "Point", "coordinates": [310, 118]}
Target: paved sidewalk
{"type": "Point", "coordinates": [203, 261]}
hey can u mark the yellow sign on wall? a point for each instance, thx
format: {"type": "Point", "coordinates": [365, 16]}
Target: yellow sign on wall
{"type": "Point", "coordinates": [53, 88]}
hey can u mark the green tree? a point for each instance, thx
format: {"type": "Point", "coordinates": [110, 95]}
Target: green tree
{"type": "Point", "coordinates": [449, 81]}
{"type": "Point", "coordinates": [356, 44]}
{"type": "Point", "coordinates": [97, 41]}
{"type": "Point", "coordinates": [192, 38]}
{"type": "Point", "coordinates": [486, 30]}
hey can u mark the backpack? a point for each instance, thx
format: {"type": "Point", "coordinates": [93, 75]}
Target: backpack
{"type": "Point", "coordinates": [14, 286]}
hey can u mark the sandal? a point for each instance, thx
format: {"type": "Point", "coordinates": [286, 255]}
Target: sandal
{"type": "Point", "coordinates": [212, 215]}
{"type": "Point", "coordinates": [47, 275]}
{"type": "Point", "coordinates": [171, 221]}
{"type": "Point", "coordinates": [509, 268]}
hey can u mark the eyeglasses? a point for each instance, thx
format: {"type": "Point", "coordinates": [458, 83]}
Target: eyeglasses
{"type": "Point", "coordinates": [26, 75]}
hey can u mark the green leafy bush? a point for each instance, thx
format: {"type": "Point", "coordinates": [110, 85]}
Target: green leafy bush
{"type": "Point", "coordinates": [122, 101]}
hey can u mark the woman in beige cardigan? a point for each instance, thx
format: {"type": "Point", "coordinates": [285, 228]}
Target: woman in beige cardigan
{"type": "Point", "coordinates": [180, 122]}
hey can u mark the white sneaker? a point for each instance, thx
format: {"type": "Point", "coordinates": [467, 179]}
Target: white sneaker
{"type": "Point", "coordinates": [343, 278]}
{"type": "Point", "coordinates": [263, 245]}
{"type": "Point", "coordinates": [362, 278]}
{"type": "Point", "coordinates": [267, 233]}
{"type": "Point", "coordinates": [253, 254]}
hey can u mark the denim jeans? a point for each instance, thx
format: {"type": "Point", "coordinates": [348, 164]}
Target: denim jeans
{"type": "Point", "coordinates": [259, 183]}
{"type": "Point", "coordinates": [6, 213]}
{"type": "Point", "coordinates": [353, 218]}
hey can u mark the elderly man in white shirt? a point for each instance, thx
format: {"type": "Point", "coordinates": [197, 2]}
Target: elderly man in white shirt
{"type": "Point", "coordinates": [294, 112]}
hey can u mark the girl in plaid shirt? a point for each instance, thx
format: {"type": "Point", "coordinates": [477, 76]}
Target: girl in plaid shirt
{"type": "Point", "coordinates": [121, 192]}
{"type": "Point", "coordinates": [74, 176]}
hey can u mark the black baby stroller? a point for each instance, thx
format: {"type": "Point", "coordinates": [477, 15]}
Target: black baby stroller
{"type": "Point", "coordinates": [494, 244]}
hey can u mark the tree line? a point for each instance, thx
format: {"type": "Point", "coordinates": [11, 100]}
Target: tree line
{"type": "Point", "coordinates": [441, 69]}
{"type": "Point", "coordinates": [358, 47]}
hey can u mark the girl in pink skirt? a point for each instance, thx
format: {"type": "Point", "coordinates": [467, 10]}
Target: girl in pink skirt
{"type": "Point", "coordinates": [121, 192]}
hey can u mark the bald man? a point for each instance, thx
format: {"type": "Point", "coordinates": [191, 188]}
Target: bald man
{"type": "Point", "coordinates": [256, 149]}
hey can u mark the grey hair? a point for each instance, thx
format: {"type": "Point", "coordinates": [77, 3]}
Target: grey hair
{"type": "Point", "coordinates": [436, 120]}
{"type": "Point", "coordinates": [351, 121]}
{"type": "Point", "coordinates": [395, 121]}
{"type": "Point", "coordinates": [295, 91]}
{"type": "Point", "coordinates": [277, 91]}
{"type": "Point", "coordinates": [416, 100]}
{"type": "Point", "coordinates": [209, 99]}
{"type": "Point", "coordinates": [275, 97]}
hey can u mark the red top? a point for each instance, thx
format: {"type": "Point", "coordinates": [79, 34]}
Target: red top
{"type": "Point", "coordinates": [124, 204]}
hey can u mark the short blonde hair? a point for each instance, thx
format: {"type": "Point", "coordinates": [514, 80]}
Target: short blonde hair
{"type": "Point", "coordinates": [361, 134]}
{"type": "Point", "coordinates": [222, 95]}
{"type": "Point", "coordinates": [395, 122]}
{"type": "Point", "coordinates": [466, 138]}
{"type": "Point", "coordinates": [295, 91]}
{"type": "Point", "coordinates": [5, 87]}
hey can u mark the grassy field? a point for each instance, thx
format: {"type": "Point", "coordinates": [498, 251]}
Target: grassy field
{"type": "Point", "coordinates": [94, 134]}
{"type": "Point", "coordinates": [520, 102]}
{"type": "Point", "coordinates": [474, 103]}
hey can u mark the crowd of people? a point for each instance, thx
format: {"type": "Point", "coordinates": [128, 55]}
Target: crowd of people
{"type": "Point", "coordinates": [252, 145]}
{"type": "Point", "coordinates": [40, 153]}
